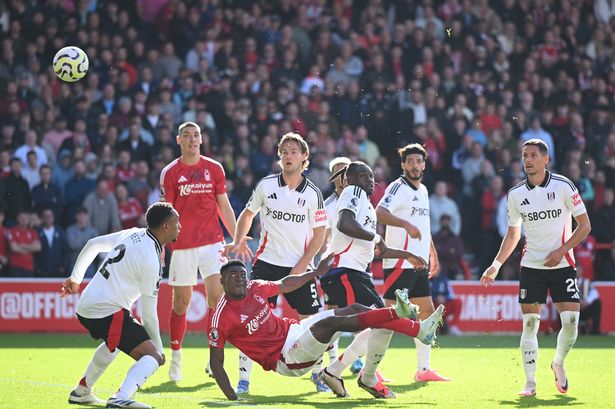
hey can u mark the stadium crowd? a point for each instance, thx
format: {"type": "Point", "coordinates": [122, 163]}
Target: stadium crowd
{"type": "Point", "coordinates": [469, 79]}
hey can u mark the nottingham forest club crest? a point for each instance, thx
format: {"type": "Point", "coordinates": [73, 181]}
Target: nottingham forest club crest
{"type": "Point", "coordinates": [207, 175]}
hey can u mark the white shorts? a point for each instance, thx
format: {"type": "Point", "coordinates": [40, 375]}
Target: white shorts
{"type": "Point", "coordinates": [187, 263]}
{"type": "Point", "coordinates": [301, 350]}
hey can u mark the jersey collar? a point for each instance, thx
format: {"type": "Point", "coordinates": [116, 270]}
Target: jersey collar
{"type": "Point", "coordinates": [299, 188]}
{"type": "Point", "coordinates": [407, 182]}
{"type": "Point", "coordinates": [156, 242]}
{"type": "Point", "coordinates": [544, 182]}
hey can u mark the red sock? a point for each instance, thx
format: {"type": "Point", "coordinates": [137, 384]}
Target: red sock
{"type": "Point", "coordinates": [404, 325]}
{"type": "Point", "coordinates": [375, 318]}
{"type": "Point", "coordinates": [177, 325]}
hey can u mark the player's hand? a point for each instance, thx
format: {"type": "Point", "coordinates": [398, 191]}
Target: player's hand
{"type": "Point", "coordinates": [69, 287]}
{"type": "Point", "coordinates": [488, 276]}
{"type": "Point", "coordinates": [434, 266]}
{"type": "Point", "coordinates": [241, 250]}
{"type": "Point", "coordinates": [417, 262]}
{"type": "Point", "coordinates": [554, 257]}
{"type": "Point", "coordinates": [413, 231]}
{"type": "Point", "coordinates": [324, 265]}
{"type": "Point", "coordinates": [380, 249]}
{"type": "Point", "coordinates": [299, 268]}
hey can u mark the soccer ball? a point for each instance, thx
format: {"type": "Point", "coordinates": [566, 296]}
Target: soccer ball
{"type": "Point", "coordinates": [70, 64]}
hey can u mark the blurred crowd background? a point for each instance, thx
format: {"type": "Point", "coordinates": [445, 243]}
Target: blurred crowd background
{"type": "Point", "coordinates": [469, 79]}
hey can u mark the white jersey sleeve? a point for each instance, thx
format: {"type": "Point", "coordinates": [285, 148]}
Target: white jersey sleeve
{"type": "Point", "coordinates": [257, 199]}
{"type": "Point", "coordinates": [90, 251]}
{"type": "Point", "coordinates": [349, 200]}
{"type": "Point", "coordinates": [514, 216]}
{"type": "Point", "coordinates": [317, 214]}
{"type": "Point", "coordinates": [573, 201]}
{"type": "Point", "coordinates": [390, 200]}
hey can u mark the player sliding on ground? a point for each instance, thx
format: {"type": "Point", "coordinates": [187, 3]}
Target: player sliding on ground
{"type": "Point", "coordinates": [286, 346]}
{"type": "Point", "coordinates": [132, 269]}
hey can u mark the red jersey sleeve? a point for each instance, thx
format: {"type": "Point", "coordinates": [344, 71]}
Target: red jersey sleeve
{"type": "Point", "coordinates": [219, 329]}
{"type": "Point", "coordinates": [265, 288]}
{"type": "Point", "coordinates": [220, 180]}
{"type": "Point", "coordinates": [167, 185]}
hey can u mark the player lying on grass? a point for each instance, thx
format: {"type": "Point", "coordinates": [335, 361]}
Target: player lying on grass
{"type": "Point", "coordinates": [286, 346]}
{"type": "Point", "coordinates": [132, 269]}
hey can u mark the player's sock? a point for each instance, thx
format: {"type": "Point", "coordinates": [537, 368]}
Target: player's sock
{"type": "Point", "coordinates": [97, 366]}
{"type": "Point", "coordinates": [177, 326]}
{"type": "Point", "coordinates": [136, 376]}
{"type": "Point", "coordinates": [245, 367]}
{"type": "Point", "coordinates": [377, 344]}
{"type": "Point", "coordinates": [423, 353]}
{"type": "Point", "coordinates": [375, 318]}
{"type": "Point", "coordinates": [567, 335]}
{"type": "Point", "coordinates": [529, 345]}
{"type": "Point", "coordinates": [333, 351]}
{"type": "Point", "coordinates": [403, 326]}
{"type": "Point", "coordinates": [317, 366]}
{"type": "Point", "coordinates": [356, 349]}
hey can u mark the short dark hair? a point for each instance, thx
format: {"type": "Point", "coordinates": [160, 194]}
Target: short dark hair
{"type": "Point", "coordinates": [232, 263]}
{"type": "Point", "coordinates": [413, 148]}
{"type": "Point", "coordinates": [158, 213]}
{"type": "Point", "coordinates": [348, 170]}
{"type": "Point", "coordinates": [542, 146]}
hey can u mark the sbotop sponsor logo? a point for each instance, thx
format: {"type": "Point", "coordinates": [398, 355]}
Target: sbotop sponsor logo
{"type": "Point", "coordinates": [542, 215]}
{"type": "Point", "coordinates": [35, 305]}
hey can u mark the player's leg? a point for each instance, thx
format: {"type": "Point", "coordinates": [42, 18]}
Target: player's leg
{"type": "Point", "coordinates": [533, 288]}
{"type": "Point", "coordinates": [102, 358]}
{"type": "Point", "coordinates": [182, 277]}
{"type": "Point", "coordinates": [453, 313]}
{"type": "Point", "coordinates": [565, 295]}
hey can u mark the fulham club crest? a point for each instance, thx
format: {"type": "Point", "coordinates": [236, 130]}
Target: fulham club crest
{"type": "Point", "coordinates": [551, 196]}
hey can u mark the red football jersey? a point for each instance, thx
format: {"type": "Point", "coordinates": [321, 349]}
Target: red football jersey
{"type": "Point", "coordinates": [192, 191]}
{"type": "Point", "coordinates": [250, 325]}
{"type": "Point", "coordinates": [22, 235]}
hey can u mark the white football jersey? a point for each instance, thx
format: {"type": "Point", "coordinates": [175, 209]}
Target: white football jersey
{"type": "Point", "coordinates": [131, 269]}
{"type": "Point", "coordinates": [407, 202]}
{"type": "Point", "coordinates": [330, 207]}
{"type": "Point", "coordinates": [350, 252]}
{"type": "Point", "coordinates": [287, 218]}
{"type": "Point", "coordinates": [546, 212]}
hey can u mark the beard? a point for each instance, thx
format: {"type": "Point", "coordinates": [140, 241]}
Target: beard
{"type": "Point", "coordinates": [419, 177]}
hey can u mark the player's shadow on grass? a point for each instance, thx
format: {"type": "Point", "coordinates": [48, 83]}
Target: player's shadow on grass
{"type": "Point", "coordinates": [532, 402]}
{"type": "Point", "coordinates": [409, 387]}
{"type": "Point", "coordinates": [170, 386]}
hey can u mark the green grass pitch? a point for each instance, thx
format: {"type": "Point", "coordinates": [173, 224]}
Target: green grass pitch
{"type": "Point", "coordinates": [39, 370]}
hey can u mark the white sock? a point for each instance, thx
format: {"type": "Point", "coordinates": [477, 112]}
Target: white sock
{"type": "Point", "coordinates": [333, 351]}
{"type": "Point", "coordinates": [356, 349]}
{"type": "Point", "coordinates": [423, 353]}
{"type": "Point", "coordinates": [377, 344]}
{"type": "Point", "coordinates": [176, 355]}
{"type": "Point", "coordinates": [245, 367]}
{"type": "Point", "coordinates": [567, 335]}
{"type": "Point", "coordinates": [101, 360]}
{"type": "Point", "coordinates": [136, 376]}
{"type": "Point", "coordinates": [529, 345]}
{"type": "Point", "coordinates": [317, 366]}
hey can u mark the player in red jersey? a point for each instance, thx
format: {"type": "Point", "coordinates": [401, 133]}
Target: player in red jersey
{"type": "Point", "coordinates": [244, 319]}
{"type": "Point", "coordinates": [196, 186]}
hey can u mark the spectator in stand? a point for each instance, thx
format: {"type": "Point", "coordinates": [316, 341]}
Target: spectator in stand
{"type": "Point", "coordinates": [139, 187]}
{"type": "Point", "coordinates": [368, 150]}
{"type": "Point", "coordinates": [58, 134]}
{"type": "Point", "coordinates": [135, 144]}
{"type": "Point", "coordinates": [78, 234]}
{"type": "Point", "coordinates": [76, 190]}
{"type": "Point", "coordinates": [30, 145]}
{"type": "Point", "coordinates": [23, 243]}
{"type": "Point", "coordinates": [591, 306]}
{"type": "Point", "coordinates": [442, 294]}
{"type": "Point", "coordinates": [103, 209]}
{"type": "Point", "coordinates": [489, 231]}
{"type": "Point", "coordinates": [129, 208]}
{"type": "Point", "coordinates": [52, 260]}
{"type": "Point", "coordinates": [4, 250]}
{"type": "Point", "coordinates": [47, 195]}
{"type": "Point", "coordinates": [63, 170]}
{"type": "Point", "coordinates": [124, 170]}
{"type": "Point", "coordinates": [449, 247]}
{"type": "Point", "coordinates": [30, 171]}
{"type": "Point", "coordinates": [16, 192]}
{"type": "Point", "coordinates": [536, 131]}
{"type": "Point", "coordinates": [439, 205]}
{"type": "Point", "coordinates": [604, 219]}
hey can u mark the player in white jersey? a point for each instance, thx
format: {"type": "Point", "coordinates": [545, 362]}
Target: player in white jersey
{"type": "Point", "coordinates": [293, 220]}
{"type": "Point", "coordinates": [348, 281]}
{"type": "Point", "coordinates": [132, 269]}
{"type": "Point", "coordinates": [545, 204]}
{"type": "Point", "coordinates": [404, 209]}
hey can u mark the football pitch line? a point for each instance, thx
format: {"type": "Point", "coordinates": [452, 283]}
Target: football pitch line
{"type": "Point", "coordinates": [109, 392]}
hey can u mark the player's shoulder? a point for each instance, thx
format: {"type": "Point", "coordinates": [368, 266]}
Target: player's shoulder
{"type": "Point", "coordinates": [561, 181]}
{"type": "Point", "coordinates": [173, 166]}
{"type": "Point", "coordinates": [269, 181]}
{"type": "Point", "coordinates": [331, 199]}
{"type": "Point", "coordinates": [209, 162]}
{"type": "Point", "coordinates": [311, 189]}
{"type": "Point", "coordinates": [516, 189]}
{"type": "Point", "coordinates": [353, 190]}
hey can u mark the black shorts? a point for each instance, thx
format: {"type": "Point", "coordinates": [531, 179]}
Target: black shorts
{"type": "Point", "coordinates": [415, 281]}
{"type": "Point", "coordinates": [119, 330]}
{"type": "Point", "coordinates": [560, 282]}
{"type": "Point", "coordinates": [304, 300]}
{"type": "Point", "coordinates": [345, 286]}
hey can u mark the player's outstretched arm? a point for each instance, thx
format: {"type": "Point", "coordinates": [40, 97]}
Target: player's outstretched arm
{"type": "Point", "coordinates": [92, 248]}
{"type": "Point", "coordinates": [239, 246]}
{"type": "Point", "coordinates": [318, 238]}
{"type": "Point", "coordinates": [348, 224]}
{"type": "Point", "coordinates": [513, 234]}
{"type": "Point", "coordinates": [149, 316]}
{"type": "Point", "coordinates": [291, 282]}
{"type": "Point", "coordinates": [216, 360]}
{"type": "Point", "coordinates": [225, 210]}
{"type": "Point", "coordinates": [418, 262]}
